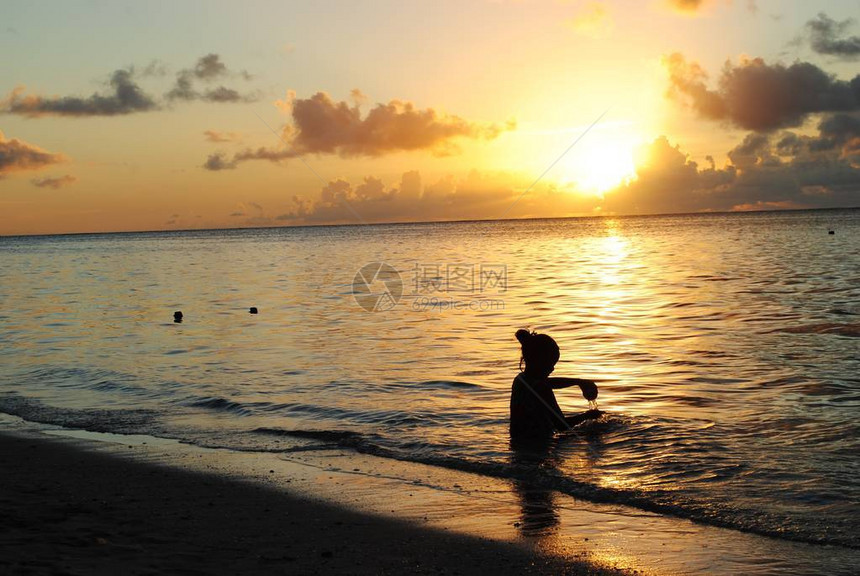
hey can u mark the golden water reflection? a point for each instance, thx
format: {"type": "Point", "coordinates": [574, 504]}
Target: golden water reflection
{"type": "Point", "coordinates": [681, 320]}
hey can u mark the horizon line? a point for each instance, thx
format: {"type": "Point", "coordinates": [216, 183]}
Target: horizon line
{"type": "Point", "coordinates": [428, 222]}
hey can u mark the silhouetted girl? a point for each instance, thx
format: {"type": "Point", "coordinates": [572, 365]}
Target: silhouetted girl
{"type": "Point", "coordinates": [534, 410]}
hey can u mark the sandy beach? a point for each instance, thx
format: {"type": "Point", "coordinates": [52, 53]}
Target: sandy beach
{"type": "Point", "coordinates": [69, 510]}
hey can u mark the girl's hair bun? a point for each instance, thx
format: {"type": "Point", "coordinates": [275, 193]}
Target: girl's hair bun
{"type": "Point", "coordinates": [523, 336]}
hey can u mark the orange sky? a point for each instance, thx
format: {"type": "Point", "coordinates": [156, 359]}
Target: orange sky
{"type": "Point", "coordinates": [214, 115]}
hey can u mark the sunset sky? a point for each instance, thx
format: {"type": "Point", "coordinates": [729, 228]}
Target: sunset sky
{"type": "Point", "coordinates": [173, 115]}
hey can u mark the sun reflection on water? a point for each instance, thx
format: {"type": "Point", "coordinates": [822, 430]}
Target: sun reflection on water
{"type": "Point", "coordinates": [680, 320]}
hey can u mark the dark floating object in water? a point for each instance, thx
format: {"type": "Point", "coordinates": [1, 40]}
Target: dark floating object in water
{"type": "Point", "coordinates": [253, 310]}
{"type": "Point", "coordinates": [177, 317]}
{"type": "Point", "coordinates": [831, 232]}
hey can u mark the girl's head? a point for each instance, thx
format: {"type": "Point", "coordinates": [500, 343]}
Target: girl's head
{"type": "Point", "coordinates": [540, 352]}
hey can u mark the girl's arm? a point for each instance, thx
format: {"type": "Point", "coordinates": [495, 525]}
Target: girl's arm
{"type": "Point", "coordinates": [588, 387]}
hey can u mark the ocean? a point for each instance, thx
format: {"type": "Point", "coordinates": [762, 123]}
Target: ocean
{"type": "Point", "coordinates": [725, 347]}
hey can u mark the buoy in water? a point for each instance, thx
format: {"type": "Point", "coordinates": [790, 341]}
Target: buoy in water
{"type": "Point", "coordinates": [177, 316]}
{"type": "Point", "coordinates": [253, 310]}
{"type": "Point", "coordinates": [831, 232]}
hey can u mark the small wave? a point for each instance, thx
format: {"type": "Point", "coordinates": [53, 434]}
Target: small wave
{"type": "Point", "coordinates": [434, 384]}
{"type": "Point", "coordinates": [221, 404]}
{"type": "Point", "coordinates": [657, 501]}
{"type": "Point", "coordinates": [339, 436]}
{"type": "Point", "coordinates": [410, 385]}
{"type": "Point", "coordinates": [662, 502]}
{"type": "Point", "coordinates": [852, 330]}
{"type": "Point", "coordinates": [93, 420]}
{"type": "Point", "coordinates": [475, 373]}
{"type": "Point", "coordinates": [844, 312]}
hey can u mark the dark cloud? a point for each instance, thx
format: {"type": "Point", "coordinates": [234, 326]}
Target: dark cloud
{"type": "Point", "coordinates": [840, 127]}
{"type": "Point", "coordinates": [126, 98]}
{"type": "Point", "coordinates": [222, 94]}
{"type": "Point", "coordinates": [328, 127]}
{"type": "Point", "coordinates": [755, 149]}
{"type": "Point", "coordinates": [219, 161]}
{"type": "Point", "coordinates": [757, 96]}
{"type": "Point", "coordinates": [208, 69]}
{"type": "Point", "coordinates": [767, 171]}
{"type": "Point", "coordinates": [837, 133]}
{"type": "Point", "coordinates": [184, 88]}
{"type": "Point", "coordinates": [827, 36]}
{"type": "Point", "coordinates": [668, 182]}
{"type": "Point", "coordinates": [324, 126]}
{"type": "Point", "coordinates": [54, 182]}
{"type": "Point", "coordinates": [222, 161]}
{"type": "Point", "coordinates": [155, 68]}
{"type": "Point", "coordinates": [16, 155]}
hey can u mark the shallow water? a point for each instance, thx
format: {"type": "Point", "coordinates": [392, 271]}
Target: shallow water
{"type": "Point", "coordinates": [725, 347]}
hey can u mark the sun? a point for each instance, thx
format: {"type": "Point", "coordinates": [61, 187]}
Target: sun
{"type": "Point", "coordinates": [602, 160]}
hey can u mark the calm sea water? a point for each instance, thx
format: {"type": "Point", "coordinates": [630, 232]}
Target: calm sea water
{"type": "Point", "coordinates": [726, 349]}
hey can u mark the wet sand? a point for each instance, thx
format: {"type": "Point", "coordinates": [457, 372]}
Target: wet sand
{"type": "Point", "coordinates": [65, 509]}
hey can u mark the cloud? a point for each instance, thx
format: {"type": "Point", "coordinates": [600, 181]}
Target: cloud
{"type": "Point", "coordinates": [324, 126]}
{"type": "Point", "coordinates": [478, 195]}
{"type": "Point", "coordinates": [16, 155]}
{"type": "Point", "coordinates": [54, 182]}
{"type": "Point", "coordinates": [827, 36]}
{"type": "Point", "coordinates": [156, 68]}
{"type": "Point", "coordinates": [207, 69]}
{"type": "Point", "coordinates": [222, 161]}
{"type": "Point", "coordinates": [669, 182]}
{"type": "Point", "coordinates": [767, 171]}
{"type": "Point", "coordinates": [358, 97]}
{"type": "Point", "coordinates": [221, 137]}
{"type": "Point", "coordinates": [222, 94]}
{"type": "Point", "coordinates": [762, 174]}
{"type": "Point", "coordinates": [757, 96]}
{"type": "Point", "coordinates": [837, 134]}
{"type": "Point", "coordinates": [594, 20]}
{"type": "Point", "coordinates": [126, 98]}
{"type": "Point", "coordinates": [253, 210]}
{"type": "Point", "coordinates": [219, 161]}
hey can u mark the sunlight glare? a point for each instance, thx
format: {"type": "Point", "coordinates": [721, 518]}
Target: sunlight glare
{"type": "Point", "coordinates": [604, 160]}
